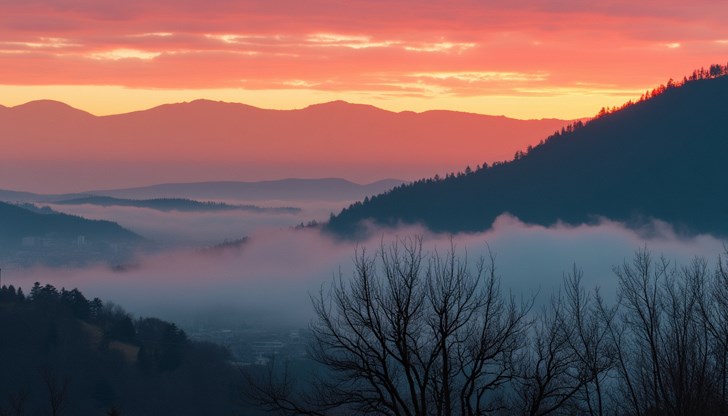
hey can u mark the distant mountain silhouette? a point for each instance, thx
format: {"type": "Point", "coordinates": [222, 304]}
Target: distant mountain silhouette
{"type": "Point", "coordinates": [664, 158]}
{"type": "Point", "coordinates": [17, 223]}
{"type": "Point", "coordinates": [52, 113]}
{"type": "Point", "coordinates": [19, 196]}
{"type": "Point", "coordinates": [206, 140]}
{"type": "Point", "coordinates": [330, 189]}
{"type": "Point", "coordinates": [326, 189]}
{"type": "Point", "coordinates": [172, 204]}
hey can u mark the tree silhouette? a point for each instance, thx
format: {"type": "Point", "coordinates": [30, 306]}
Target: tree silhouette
{"type": "Point", "coordinates": [623, 165]}
{"type": "Point", "coordinates": [570, 359]}
{"type": "Point", "coordinates": [672, 355]}
{"type": "Point", "coordinates": [424, 334]}
{"type": "Point", "coordinates": [410, 334]}
{"type": "Point", "coordinates": [57, 389]}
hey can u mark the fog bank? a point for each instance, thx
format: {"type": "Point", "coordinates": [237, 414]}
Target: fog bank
{"type": "Point", "coordinates": [268, 280]}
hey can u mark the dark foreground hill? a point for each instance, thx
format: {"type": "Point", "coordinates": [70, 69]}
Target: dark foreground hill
{"type": "Point", "coordinates": [662, 158]}
{"type": "Point", "coordinates": [63, 354]}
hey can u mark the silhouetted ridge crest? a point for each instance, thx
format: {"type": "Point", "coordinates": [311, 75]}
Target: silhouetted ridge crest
{"type": "Point", "coordinates": [662, 157]}
{"type": "Point", "coordinates": [17, 222]}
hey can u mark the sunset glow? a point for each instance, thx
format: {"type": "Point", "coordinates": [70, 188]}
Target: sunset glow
{"type": "Point", "coordinates": [528, 59]}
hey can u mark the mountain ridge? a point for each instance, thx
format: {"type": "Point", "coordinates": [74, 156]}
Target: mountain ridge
{"type": "Point", "coordinates": [17, 222]}
{"type": "Point", "coordinates": [51, 103]}
{"type": "Point", "coordinates": [280, 189]}
{"type": "Point", "coordinates": [48, 146]}
{"type": "Point", "coordinates": [355, 190]}
{"type": "Point", "coordinates": [174, 204]}
{"type": "Point", "coordinates": [660, 158]}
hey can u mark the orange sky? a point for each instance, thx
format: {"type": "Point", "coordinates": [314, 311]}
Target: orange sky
{"type": "Point", "coordinates": [525, 59]}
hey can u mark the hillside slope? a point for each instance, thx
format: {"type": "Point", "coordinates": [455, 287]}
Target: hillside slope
{"type": "Point", "coordinates": [661, 158]}
{"type": "Point", "coordinates": [96, 359]}
{"type": "Point", "coordinates": [17, 222]}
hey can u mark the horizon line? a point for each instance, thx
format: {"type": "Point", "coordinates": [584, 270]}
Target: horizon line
{"type": "Point", "coordinates": [220, 181]}
{"type": "Point", "coordinates": [314, 104]}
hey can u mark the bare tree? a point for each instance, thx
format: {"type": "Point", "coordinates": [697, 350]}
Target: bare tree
{"type": "Point", "coordinates": [640, 339]}
{"type": "Point", "coordinates": [57, 390]}
{"type": "Point", "coordinates": [669, 338]}
{"type": "Point", "coordinates": [714, 309]}
{"type": "Point", "coordinates": [570, 356]}
{"type": "Point", "coordinates": [586, 331]}
{"type": "Point", "coordinates": [18, 403]}
{"type": "Point", "coordinates": [548, 371]}
{"type": "Point", "coordinates": [409, 334]}
{"type": "Point", "coordinates": [414, 334]}
{"type": "Point", "coordinates": [711, 291]}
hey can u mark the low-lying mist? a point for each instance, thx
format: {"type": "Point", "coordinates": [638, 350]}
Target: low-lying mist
{"type": "Point", "coordinates": [267, 280]}
{"type": "Point", "coordinates": [175, 228]}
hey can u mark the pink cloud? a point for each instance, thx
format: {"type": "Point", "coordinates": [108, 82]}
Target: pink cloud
{"type": "Point", "coordinates": [363, 46]}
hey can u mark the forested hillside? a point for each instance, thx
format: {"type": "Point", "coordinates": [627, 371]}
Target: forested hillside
{"type": "Point", "coordinates": [17, 222]}
{"type": "Point", "coordinates": [63, 354]}
{"type": "Point", "coordinates": [662, 157]}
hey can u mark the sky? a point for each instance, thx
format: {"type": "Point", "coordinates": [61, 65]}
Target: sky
{"type": "Point", "coordinates": [525, 59]}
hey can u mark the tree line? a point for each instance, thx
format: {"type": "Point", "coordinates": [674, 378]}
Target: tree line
{"type": "Point", "coordinates": [64, 354]}
{"type": "Point", "coordinates": [415, 333]}
{"type": "Point", "coordinates": [713, 71]}
{"type": "Point", "coordinates": [624, 166]}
